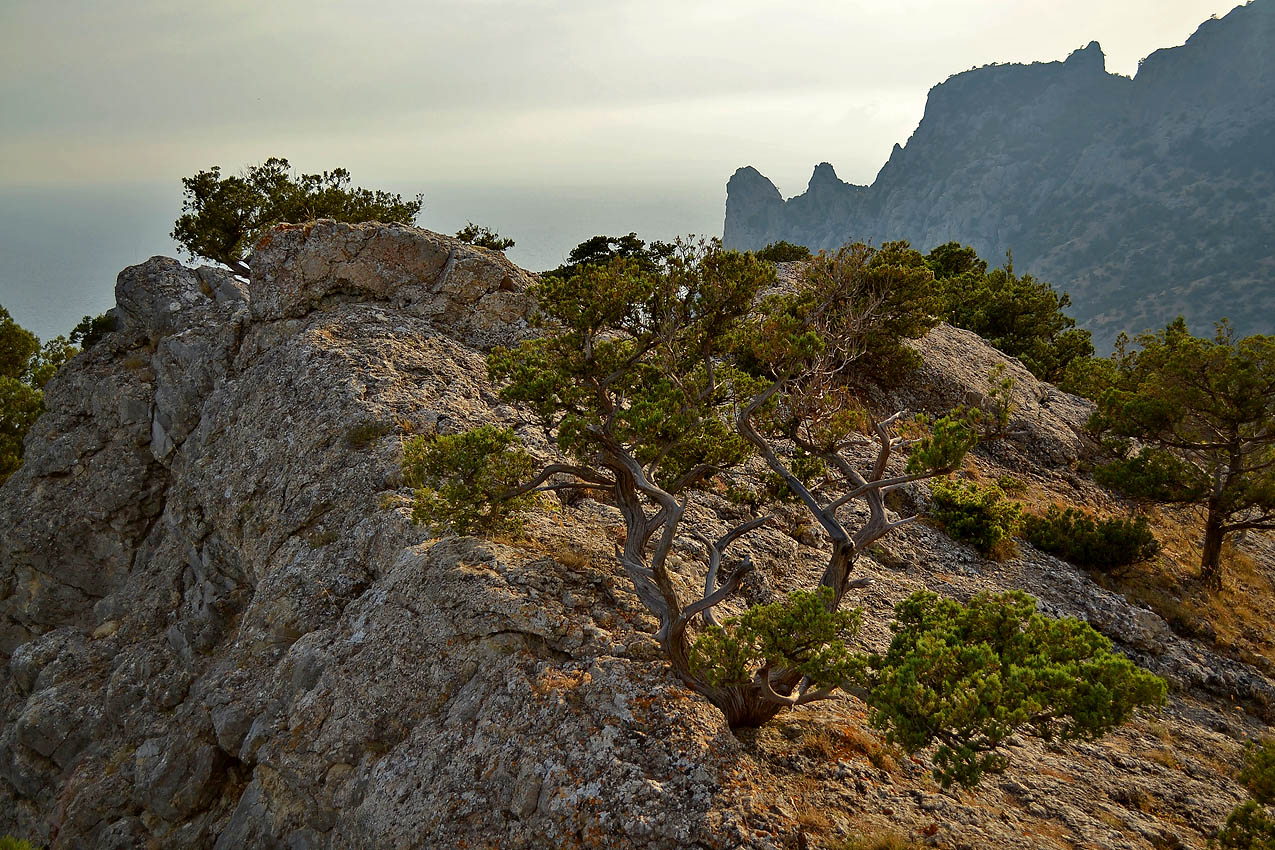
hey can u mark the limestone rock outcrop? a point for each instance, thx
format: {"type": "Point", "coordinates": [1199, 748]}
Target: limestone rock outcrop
{"type": "Point", "coordinates": [221, 629]}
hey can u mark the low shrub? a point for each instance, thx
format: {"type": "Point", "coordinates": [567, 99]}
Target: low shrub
{"type": "Point", "coordinates": [1011, 485]}
{"type": "Point", "coordinates": [1258, 774]}
{"type": "Point", "coordinates": [1087, 541]}
{"type": "Point", "coordinates": [91, 329]}
{"type": "Point", "coordinates": [980, 516]}
{"type": "Point", "coordinates": [783, 252]}
{"type": "Point", "coordinates": [484, 237]}
{"type": "Point", "coordinates": [464, 482]}
{"type": "Point", "coordinates": [1248, 827]}
{"type": "Point", "coordinates": [970, 676]}
{"type": "Point", "coordinates": [877, 841]}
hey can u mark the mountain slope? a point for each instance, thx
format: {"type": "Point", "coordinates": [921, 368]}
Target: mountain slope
{"type": "Point", "coordinates": [1144, 198]}
{"type": "Point", "coordinates": [221, 629]}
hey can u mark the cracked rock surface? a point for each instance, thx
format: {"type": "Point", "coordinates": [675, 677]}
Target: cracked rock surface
{"type": "Point", "coordinates": [221, 630]}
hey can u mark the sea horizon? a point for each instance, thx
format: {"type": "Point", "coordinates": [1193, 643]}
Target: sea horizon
{"type": "Point", "coordinates": [61, 246]}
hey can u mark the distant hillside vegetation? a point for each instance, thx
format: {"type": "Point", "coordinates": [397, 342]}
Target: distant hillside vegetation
{"type": "Point", "coordinates": [1144, 198]}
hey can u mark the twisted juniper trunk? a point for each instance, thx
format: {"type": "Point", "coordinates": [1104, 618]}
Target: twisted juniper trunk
{"type": "Point", "coordinates": [1211, 559]}
{"type": "Point", "coordinates": [743, 705]}
{"type": "Point", "coordinates": [770, 691]}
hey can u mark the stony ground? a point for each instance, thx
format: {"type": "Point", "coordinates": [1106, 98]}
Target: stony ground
{"type": "Point", "coordinates": [222, 629]}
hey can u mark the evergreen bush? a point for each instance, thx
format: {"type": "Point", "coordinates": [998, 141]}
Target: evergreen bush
{"type": "Point", "coordinates": [1086, 541]}
{"type": "Point", "coordinates": [980, 516]}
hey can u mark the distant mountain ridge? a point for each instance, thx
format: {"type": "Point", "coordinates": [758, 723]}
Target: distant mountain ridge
{"type": "Point", "coordinates": [1144, 197]}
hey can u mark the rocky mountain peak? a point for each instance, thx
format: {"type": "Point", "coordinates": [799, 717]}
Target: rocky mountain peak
{"type": "Point", "coordinates": [1083, 174]}
{"type": "Point", "coordinates": [749, 182]}
{"type": "Point", "coordinates": [823, 175]}
{"type": "Point", "coordinates": [1089, 59]}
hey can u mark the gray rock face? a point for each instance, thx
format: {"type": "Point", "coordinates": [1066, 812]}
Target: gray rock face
{"type": "Point", "coordinates": [1085, 176]}
{"type": "Point", "coordinates": [221, 630]}
{"type": "Point", "coordinates": [469, 292]}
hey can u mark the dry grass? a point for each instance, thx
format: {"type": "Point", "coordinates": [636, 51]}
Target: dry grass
{"type": "Point", "coordinates": [1049, 834]}
{"type": "Point", "coordinates": [812, 818]}
{"type": "Point", "coordinates": [887, 840]}
{"type": "Point", "coordinates": [556, 680]}
{"type": "Point", "coordinates": [1060, 775]}
{"type": "Point", "coordinates": [1004, 550]}
{"type": "Point", "coordinates": [1165, 757]}
{"type": "Point", "coordinates": [1111, 819]}
{"type": "Point", "coordinates": [572, 557]}
{"type": "Point", "coordinates": [833, 744]}
{"type": "Point", "coordinates": [1236, 619]}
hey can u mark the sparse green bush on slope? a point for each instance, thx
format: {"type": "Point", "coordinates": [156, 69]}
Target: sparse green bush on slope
{"type": "Point", "coordinates": [1086, 541]}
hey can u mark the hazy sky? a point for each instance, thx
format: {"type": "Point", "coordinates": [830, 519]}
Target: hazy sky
{"type": "Point", "coordinates": [550, 121]}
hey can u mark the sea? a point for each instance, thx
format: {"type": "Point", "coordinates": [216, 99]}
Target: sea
{"type": "Point", "coordinates": [62, 246]}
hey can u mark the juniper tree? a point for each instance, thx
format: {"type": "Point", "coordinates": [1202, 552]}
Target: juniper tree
{"type": "Point", "coordinates": [600, 250]}
{"type": "Point", "coordinates": [25, 367]}
{"type": "Point", "coordinates": [1018, 314]}
{"type": "Point", "coordinates": [1202, 413]}
{"type": "Point", "coordinates": [1250, 825]}
{"type": "Point", "coordinates": [653, 379]}
{"type": "Point", "coordinates": [484, 237]}
{"type": "Point", "coordinates": [223, 217]}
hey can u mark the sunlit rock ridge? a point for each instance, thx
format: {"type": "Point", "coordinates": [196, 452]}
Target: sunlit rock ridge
{"type": "Point", "coordinates": [1144, 197]}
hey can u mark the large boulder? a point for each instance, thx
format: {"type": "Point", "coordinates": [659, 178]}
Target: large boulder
{"type": "Point", "coordinates": [472, 293]}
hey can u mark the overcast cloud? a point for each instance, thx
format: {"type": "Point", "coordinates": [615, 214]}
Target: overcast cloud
{"type": "Point", "coordinates": [566, 98]}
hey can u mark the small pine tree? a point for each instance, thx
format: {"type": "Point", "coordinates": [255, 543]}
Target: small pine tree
{"type": "Point", "coordinates": [25, 368]}
{"type": "Point", "coordinates": [1079, 537]}
{"type": "Point", "coordinates": [224, 217]}
{"type": "Point", "coordinates": [979, 516]}
{"type": "Point", "coordinates": [1192, 421]}
{"type": "Point", "coordinates": [484, 237]}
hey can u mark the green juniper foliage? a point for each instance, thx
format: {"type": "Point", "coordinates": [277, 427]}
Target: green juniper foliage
{"type": "Point", "coordinates": [25, 367]}
{"type": "Point", "coordinates": [890, 293]}
{"type": "Point", "coordinates": [968, 676]}
{"type": "Point", "coordinates": [783, 252]}
{"type": "Point", "coordinates": [657, 380]}
{"type": "Point", "coordinates": [1019, 315]}
{"type": "Point", "coordinates": [980, 516]}
{"type": "Point", "coordinates": [798, 633]}
{"type": "Point", "coordinates": [1258, 774]}
{"type": "Point", "coordinates": [944, 441]}
{"type": "Point", "coordinates": [461, 480]}
{"type": "Point", "coordinates": [483, 237]}
{"type": "Point", "coordinates": [633, 357]}
{"type": "Point", "coordinates": [601, 250]}
{"type": "Point", "coordinates": [1086, 541]}
{"type": "Point", "coordinates": [1192, 420]}
{"type": "Point", "coordinates": [91, 329]}
{"type": "Point", "coordinates": [964, 677]}
{"type": "Point", "coordinates": [1250, 826]}
{"type": "Point", "coordinates": [224, 217]}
